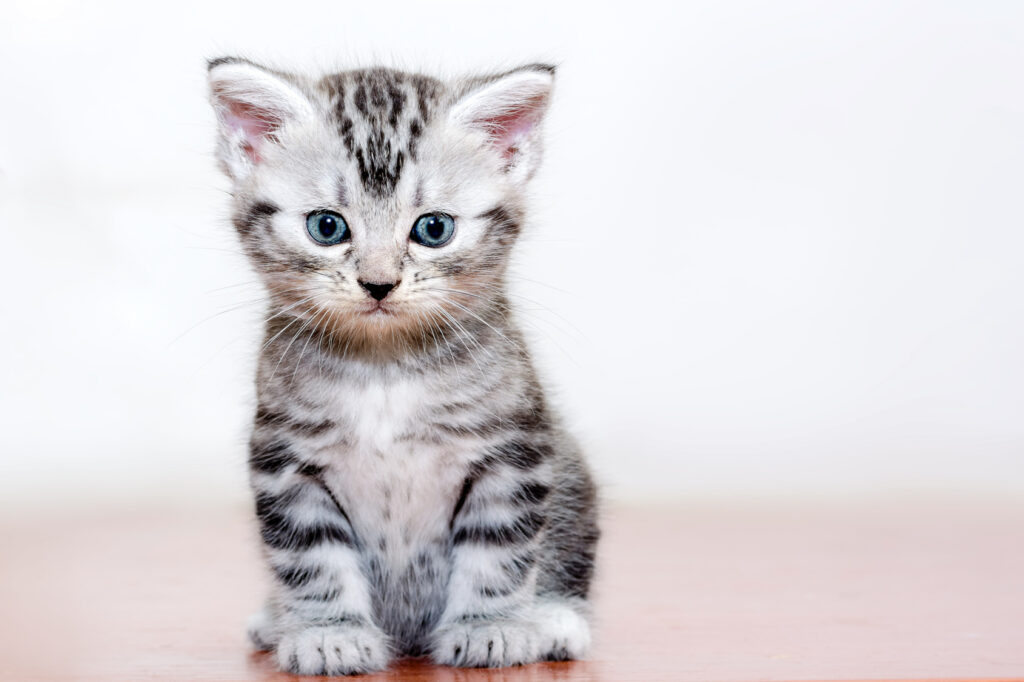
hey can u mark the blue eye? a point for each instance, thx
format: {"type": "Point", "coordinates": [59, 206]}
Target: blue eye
{"type": "Point", "coordinates": [327, 228]}
{"type": "Point", "coordinates": [433, 229]}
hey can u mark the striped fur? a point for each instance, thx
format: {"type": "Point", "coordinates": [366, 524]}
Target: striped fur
{"type": "Point", "coordinates": [415, 493]}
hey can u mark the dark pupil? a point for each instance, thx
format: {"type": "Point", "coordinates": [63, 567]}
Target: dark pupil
{"type": "Point", "coordinates": [435, 228]}
{"type": "Point", "coordinates": [328, 226]}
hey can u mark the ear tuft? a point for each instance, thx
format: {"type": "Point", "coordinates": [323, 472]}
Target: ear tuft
{"type": "Point", "coordinates": [252, 105]}
{"type": "Point", "coordinates": [508, 110]}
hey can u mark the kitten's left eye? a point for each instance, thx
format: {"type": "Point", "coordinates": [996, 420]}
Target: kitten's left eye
{"type": "Point", "coordinates": [327, 228]}
{"type": "Point", "coordinates": [433, 229]}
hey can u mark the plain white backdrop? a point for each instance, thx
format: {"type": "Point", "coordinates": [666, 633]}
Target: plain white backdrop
{"type": "Point", "coordinates": [777, 248]}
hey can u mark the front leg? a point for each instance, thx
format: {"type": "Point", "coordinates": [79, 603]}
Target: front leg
{"type": "Point", "coordinates": [319, 617]}
{"type": "Point", "coordinates": [494, 615]}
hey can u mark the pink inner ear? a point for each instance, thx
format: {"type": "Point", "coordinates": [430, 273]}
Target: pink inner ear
{"type": "Point", "coordinates": [510, 127]}
{"type": "Point", "coordinates": [257, 126]}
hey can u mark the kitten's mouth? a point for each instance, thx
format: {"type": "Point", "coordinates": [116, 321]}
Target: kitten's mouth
{"type": "Point", "coordinates": [379, 309]}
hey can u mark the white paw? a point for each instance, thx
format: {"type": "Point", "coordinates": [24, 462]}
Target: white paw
{"type": "Point", "coordinates": [548, 632]}
{"type": "Point", "coordinates": [478, 644]}
{"type": "Point", "coordinates": [333, 650]}
{"type": "Point", "coordinates": [261, 631]}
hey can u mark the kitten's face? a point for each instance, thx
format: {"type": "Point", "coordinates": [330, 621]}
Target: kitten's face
{"type": "Point", "coordinates": [378, 204]}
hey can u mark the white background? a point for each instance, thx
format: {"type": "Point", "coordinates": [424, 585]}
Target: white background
{"type": "Point", "coordinates": [777, 247]}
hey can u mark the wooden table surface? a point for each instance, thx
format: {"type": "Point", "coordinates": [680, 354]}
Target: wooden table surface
{"type": "Point", "coordinates": [826, 591]}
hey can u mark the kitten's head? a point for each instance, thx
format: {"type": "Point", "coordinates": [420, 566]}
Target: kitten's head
{"type": "Point", "coordinates": [374, 203]}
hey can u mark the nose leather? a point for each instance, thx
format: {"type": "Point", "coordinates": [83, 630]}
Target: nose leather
{"type": "Point", "coordinates": [378, 290]}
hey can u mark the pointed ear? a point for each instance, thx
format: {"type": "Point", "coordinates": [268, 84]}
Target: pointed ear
{"type": "Point", "coordinates": [508, 110]}
{"type": "Point", "coordinates": [252, 105]}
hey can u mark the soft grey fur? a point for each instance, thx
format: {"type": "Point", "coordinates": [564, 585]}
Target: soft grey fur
{"type": "Point", "coordinates": [415, 492]}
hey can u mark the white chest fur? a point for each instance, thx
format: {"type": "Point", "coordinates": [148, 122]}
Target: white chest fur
{"type": "Point", "coordinates": [398, 490]}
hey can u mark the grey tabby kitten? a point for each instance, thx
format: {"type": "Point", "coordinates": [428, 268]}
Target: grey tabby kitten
{"type": "Point", "coordinates": [415, 493]}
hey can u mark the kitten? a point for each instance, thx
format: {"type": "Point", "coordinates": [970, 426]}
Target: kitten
{"type": "Point", "coordinates": [414, 492]}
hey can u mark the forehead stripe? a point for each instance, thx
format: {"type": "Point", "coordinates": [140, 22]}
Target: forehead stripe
{"type": "Point", "coordinates": [377, 127]}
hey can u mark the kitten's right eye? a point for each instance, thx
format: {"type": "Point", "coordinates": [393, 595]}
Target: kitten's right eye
{"type": "Point", "coordinates": [327, 228]}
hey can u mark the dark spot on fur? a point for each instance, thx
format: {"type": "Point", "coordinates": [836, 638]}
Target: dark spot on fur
{"type": "Point", "coordinates": [397, 98]}
{"type": "Point", "coordinates": [345, 130]}
{"type": "Point", "coordinates": [522, 454]}
{"type": "Point", "coordinates": [311, 470]}
{"type": "Point", "coordinates": [254, 215]}
{"type": "Point", "coordinates": [491, 592]}
{"type": "Point", "coordinates": [297, 262]}
{"type": "Point", "coordinates": [270, 458]}
{"type": "Point", "coordinates": [426, 89]}
{"type": "Point", "coordinates": [377, 96]}
{"type": "Point", "coordinates": [503, 223]}
{"type": "Point", "coordinates": [467, 486]}
{"type": "Point", "coordinates": [324, 596]}
{"type": "Point", "coordinates": [379, 165]}
{"type": "Point", "coordinates": [530, 492]}
{"type": "Point", "coordinates": [281, 531]}
{"type": "Point", "coordinates": [518, 567]}
{"type": "Point", "coordinates": [415, 130]}
{"type": "Point", "coordinates": [360, 100]}
{"type": "Point", "coordinates": [296, 576]}
{"type": "Point", "coordinates": [271, 418]}
{"type": "Point", "coordinates": [450, 266]}
{"type": "Point", "coordinates": [521, 530]}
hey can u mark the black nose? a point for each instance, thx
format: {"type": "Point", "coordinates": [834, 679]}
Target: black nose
{"type": "Point", "coordinates": [378, 291]}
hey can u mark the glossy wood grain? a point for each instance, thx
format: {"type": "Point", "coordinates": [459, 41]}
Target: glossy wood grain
{"type": "Point", "coordinates": [710, 593]}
